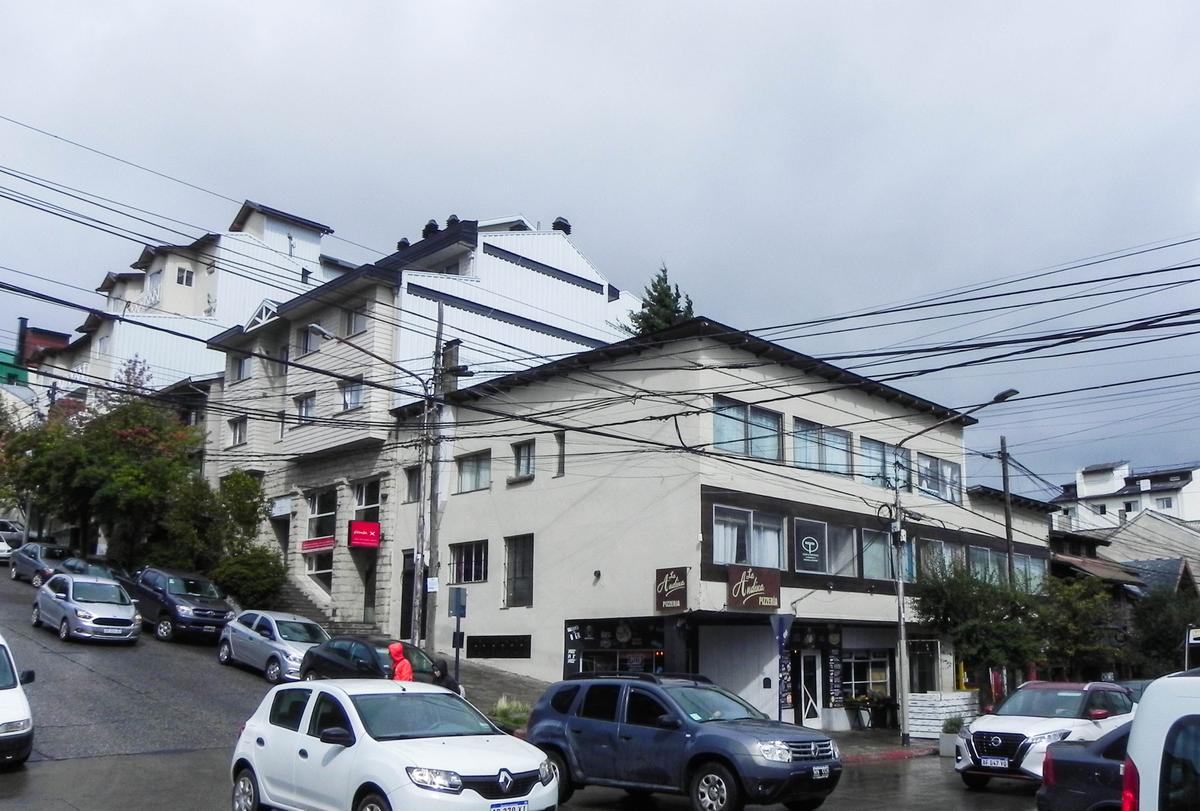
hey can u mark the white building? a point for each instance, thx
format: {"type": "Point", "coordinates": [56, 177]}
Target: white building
{"type": "Point", "coordinates": [1106, 495]}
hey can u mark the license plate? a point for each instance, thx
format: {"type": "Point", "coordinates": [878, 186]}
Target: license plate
{"type": "Point", "coordinates": [820, 772]}
{"type": "Point", "coordinates": [994, 762]}
{"type": "Point", "coordinates": [113, 631]}
{"type": "Point", "coordinates": [520, 805]}
{"type": "Point", "coordinates": [209, 629]}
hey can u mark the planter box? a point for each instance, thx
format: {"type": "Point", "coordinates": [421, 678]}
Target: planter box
{"type": "Point", "coordinates": [946, 744]}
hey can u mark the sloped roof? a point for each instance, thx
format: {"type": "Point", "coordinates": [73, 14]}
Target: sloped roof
{"type": "Point", "coordinates": [1152, 535]}
{"type": "Point", "coordinates": [1106, 570]}
{"type": "Point", "coordinates": [1100, 467]}
{"type": "Point", "coordinates": [249, 207]}
{"type": "Point", "coordinates": [1159, 573]}
{"type": "Point", "coordinates": [1025, 502]}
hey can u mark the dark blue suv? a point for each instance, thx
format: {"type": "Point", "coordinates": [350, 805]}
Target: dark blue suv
{"type": "Point", "coordinates": [678, 734]}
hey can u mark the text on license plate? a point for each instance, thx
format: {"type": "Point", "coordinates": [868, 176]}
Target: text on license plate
{"type": "Point", "coordinates": [111, 630]}
{"type": "Point", "coordinates": [208, 629]}
{"type": "Point", "coordinates": [994, 762]}
{"type": "Point", "coordinates": [520, 805]}
{"type": "Point", "coordinates": [820, 772]}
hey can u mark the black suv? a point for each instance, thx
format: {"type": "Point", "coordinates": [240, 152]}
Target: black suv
{"type": "Point", "coordinates": [178, 602]}
{"type": "Point", "coordinates": [679, 734]}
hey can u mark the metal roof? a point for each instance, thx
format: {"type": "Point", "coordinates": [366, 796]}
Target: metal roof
{"type": "Point", "coordinates": [249, 207]}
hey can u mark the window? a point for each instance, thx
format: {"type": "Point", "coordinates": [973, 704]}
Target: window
{"type": "Point", "coordinates": [643, 709]}
{"type": "Point", "coordinates": [319, 566]}
{"type": "Point", "coordinates": [356, 320]}
{"type": "Point", "coordinates": [184, 277]}
{"type": "Point", "coordinates": [826, 548]}
{"type": "Point", "coordinates": [843, 551]}
{"type": "Point", "coordinates": [1163, 503]}
{"type": "Point", "coordinates": [237, 431]}
{"type": "Point", "coordinates": [474, 472]}
{"type": "Point", "coordinates": [366, 501]}
{"type": "Point", "coordinates": [281, 360]}
{"type": "Point", "coordinates": [282, 417]}
{"type": "Point", "coordinates": [307, 340]}
{"type": "Point", "coordinates": [866, 673]}
{"type": "Point", "coordinates": [564, 698]}
{"type": "Point", "coordinates": [352, 394]}
{"type": "Point", "coordinates": [1029, 572]}
{"type": "Point", "coordinates": [938, 555]}
{"type": "Point", "coordinates": [817, 447]}
{"type": "Point", "coordinates": [746, 430]}
{"type": "Point", "coordinates": [988, 564]}
{"type": "Point", "coordinates": [560, 443]}
{"type": "Point", "coordinates": [1178, 785]}
{"type": "Point", "coordinates": [1130, 506]}
{"type": "Point", "coordinates": [248, 619]}
{"type": "Point", "coordinates": [322, 513]}
{"type": "Point", "coordinates": [878, 466]}
{"type": "Point", "coordinates": [241, 367]}
{"type": "Point", "coordinates": [877, 554]}
{"type": "Point", "coordinates": [412, 483]}
{"type": "Point", "coordinates": [288, 708]}
{"type": "Point", "coordinates": [600, 702]}
{"type": "Point", "coordinates": [327, 713]}
{"type": "Point", "coordinates": [747, 537]}
{"type": "Point", "coordinates": [939, 478]}
{"type": "Point", "coordinates": [306, 408]}
{"type": "Point", "coordinates": [523, 460]}
{"type": "Point", "coordinates": [518, 579]}
{"type": "Point", "coordinates": [468, 562]}
{"type": "Point", "coordinates": [102, 347]}
{"type": "Point", "coordinates": [1102, 509]}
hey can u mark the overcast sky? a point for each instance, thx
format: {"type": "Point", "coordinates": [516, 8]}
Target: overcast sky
{"type": "Point", "coordinates": [787, 161]}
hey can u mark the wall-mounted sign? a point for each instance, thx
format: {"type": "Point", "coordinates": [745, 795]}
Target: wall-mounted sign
{"type": "Point", "coordinates": [812, 547]}
{"type": "Point", "coordinates": [317, 544]}
{"type": "Point", "coordinates": [752, 588]}
{"type": "Point", "coordinates": [281, 507]}
{"type": "Point", "coordinates": [670, 589]}
{"type": "Point", "coordinates": [364, 534]}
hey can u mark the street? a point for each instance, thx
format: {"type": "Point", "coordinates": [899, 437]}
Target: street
{"type": "Point", "coordinates": [116, 725]}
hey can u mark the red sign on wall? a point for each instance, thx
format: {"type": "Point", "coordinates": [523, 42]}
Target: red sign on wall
{"type": "Point", "coordinates": [317, 544]}
{"type": "Point", "coordinates": [364, 534]}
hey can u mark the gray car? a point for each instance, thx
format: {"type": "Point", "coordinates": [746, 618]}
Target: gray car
{"type": "Point", "coordinates": [84, 607]}
{"type": "Point", "coordinates": [37, 562]}
{"type": "Point", "coordinates": [271, 641]}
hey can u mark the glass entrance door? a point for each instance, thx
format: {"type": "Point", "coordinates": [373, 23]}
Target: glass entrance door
{"type": "Point", "coordinates": [809, 709]}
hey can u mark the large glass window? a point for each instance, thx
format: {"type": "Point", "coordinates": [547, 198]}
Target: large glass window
{"type": "Point", "coordinates": [878, 464]}
{"type": "Point", "coordinates": [306, 408]}
{"type": "Point", "coordinates": [843, 551]}
{"type": "Point", "coordinates": [938, 555]}
{"type": "Point", "coordinates": [319, 566]}
{"type": "Point", "coordinates": [412, 483]}
{"type": "Point", "coordinates": [474, 472]}
{"type": "Point", "coordinates": [877, 554]}
{"type": "Point", "coordinates": [352, 394]}
{"type": "Point", "coordinates": [747, 430]}
{"type": "Point", "coordinates": [518, 575]}
{"type": "Point", "coordinates": [939, 478]}
{"type": "Point", "coordinates": [468, 562]}
{"type": "Point", "coordinates": [747, 537]}
{"type": "Point", "coordinates": [322, 513]}
{"type": "Point", "coordinates": [523, 459]}
{"type": "Point", "coordinates": [826, 548]}
{"type": "Point", "coordinates": [1179, 784]}
{"type": "Point", "coordinates": [366, 501]}
{"type": "Point", "coordinates": [818, 447]}
{"type": "Point", "coordinates": [866, 673]}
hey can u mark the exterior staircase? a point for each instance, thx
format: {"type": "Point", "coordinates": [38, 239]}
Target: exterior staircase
{"type": "Point", "coordinates": [353, 629]}
{"type": "Point", "coordinates": [295, 601]}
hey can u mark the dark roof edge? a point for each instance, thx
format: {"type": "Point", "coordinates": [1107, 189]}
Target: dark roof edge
{"type": "Point", "coordinates": [995, 494]}
{"type": "Point", "coordinates": [249, 207]}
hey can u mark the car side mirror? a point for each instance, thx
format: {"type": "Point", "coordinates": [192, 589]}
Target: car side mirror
{"type": "Point", "coordinates": [58, 595]}
{"type": "Point", "coordinates": [1098, 714]}
{"type": "Point", "coordinates": [27, 677]}
{"type": "Point", "coordinates": [265, 633]}
{"type": "Point", "coordinates": [667, 721]}
{"type": "Point", "coordinates": [337, 736]}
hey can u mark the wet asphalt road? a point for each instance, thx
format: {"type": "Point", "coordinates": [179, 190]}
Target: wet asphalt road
{"type": "Point", "coordinates": [153, 726]}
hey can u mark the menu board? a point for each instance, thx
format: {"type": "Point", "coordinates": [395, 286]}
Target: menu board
{"type": "Point", "coordinates": [833, 669]}
{"type": "Point", "coordinates": [572, 662]}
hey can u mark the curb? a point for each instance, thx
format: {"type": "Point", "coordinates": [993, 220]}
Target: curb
{"type": "Point", "coordinates": [889, 755]}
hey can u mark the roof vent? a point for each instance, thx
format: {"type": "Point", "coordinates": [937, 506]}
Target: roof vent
{"type": "Point", "coordinates": [429, 230]}
{"type": "Point", "coordinates": [452, 221]}
{"type": "Point", "coordinates": [403, 244]}
{"type": "Point", "coordinates": [562, 224]}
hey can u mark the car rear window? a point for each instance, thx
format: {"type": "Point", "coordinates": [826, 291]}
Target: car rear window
{"type": "Point", "coordinates": [564, 698]}
{"type": "Point", "coordinates": [1043, 702]}
{"type": "Point", "coordinates": [288, 708]}
{"type": "Point", "coordinates": [1179, 781]}
{"type": "Point", "coordinates": [600, 702]}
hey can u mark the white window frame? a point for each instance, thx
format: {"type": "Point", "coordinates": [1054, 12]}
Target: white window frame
{"type": "Point", "coordinates": [366, 508]}
{"type": "Point", "coordinates": [477, 570]}
{"type": "Point", "coordinates": [474, 470]}
{"type": "Point", "coordinates": [560, 442]}
{"type": "Point", "coordinates": [356, 320]}
{"type": "Point", "coordinates": [306, 408]}
{"type": "Point", "coordinates": [353, 394]}
{"type": "Point", "coordinates": [185, 276]}
{"type": "Point", "coordinates": [755, 522]}
{"type": "Point", "coordinates": [523, 460]}
{"type": "Point", "coordinates": [238, 431]}
{"type": "Point", "coordinates": [241, 368]}
{"type": "Point", "coordinates": [323, 520]}
{"type": "Point", "coordinates": [510, 578]}
{"type": "Point", "coordinates": [747, 441]}
{"type": "Point", "coordinates": [412, 483]}
{"type": "Point", "coordinates": [942, 480]}
{"type": "Point", "coordinates": [1164, 503]}
{"type": "Point", "coordinates": [811, 438]}
{"type": "Point", "coordinates": [878, 538]}
{"type": "Point", "coordinates": [322, 575]}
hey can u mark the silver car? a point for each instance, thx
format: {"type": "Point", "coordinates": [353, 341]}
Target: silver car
{"type": "Point", "coordinates": [271, 641]}
{"type": "Point", "coordinates": [84, 607]}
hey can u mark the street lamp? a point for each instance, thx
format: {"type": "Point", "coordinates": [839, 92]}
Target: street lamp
{"type": "Point", "coordinates": [426, 462]}
{"type": "Point", "coordinates": [898, 550]}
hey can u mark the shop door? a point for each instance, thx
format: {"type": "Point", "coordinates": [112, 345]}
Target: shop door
{"type": "Point", "coordinates": [809, 705]}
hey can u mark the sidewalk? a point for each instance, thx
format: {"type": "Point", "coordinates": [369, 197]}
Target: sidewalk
{"type": "Point", "coordinates": [873, 745]}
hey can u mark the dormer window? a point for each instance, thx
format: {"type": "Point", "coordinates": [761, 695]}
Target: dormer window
{"type": "Point", "coordinates": [184, 276]}
{"type": "Point", "coordinates": [305, 275]}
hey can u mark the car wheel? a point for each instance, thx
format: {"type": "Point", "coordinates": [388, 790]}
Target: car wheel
{"type": "Point", "coordinates": [37, 580]}
{"type": "Point", "coordinates": [975, 782]}
{"type": "Point", "coordinates": [373, 802]}
{"type": "Point", "coordinates": [310, 676]}
{"type": "Point", "coordinates": [36, 619]}
{"type": "Point", "coordinates": [12, 572]}
{"type": "Point", "coordinates": [224, 653]}
{"type": "Point", "coordinates": [64, 631]}
{"type": "Point", "coordinates": [164, 629]}
{"type": "Point", "coordinates": [804, 805]}
{"type": "Point", "coordinates": [714, 788]}
{"type": "Point", "coordinates": [245, 791]}
{"type": "Point", "coordinates": [566, 786]}
{"type": "Point", "coordinates": [273, 671]}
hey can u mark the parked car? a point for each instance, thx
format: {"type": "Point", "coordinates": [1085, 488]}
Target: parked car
{"type": "Point", "coordinates": [80, 606]}
{"type": "Point", "coordinates": [13, 532]}
{"type": "Point", "coordinates": [37, 561]}
{"type": "Point", "coordinates": [1012, 741]}
{"type": "Point", "coordinates": [97, 567]}
{"type": "Point", "coordinates": [680, 735]}
{"type": "Point", "coordinates": [272, 641]}
{"type": "Point", "coordinates": [361, 657]}
{"type": "Point", "coordinates": [1162, 761]}
{"type": "Point", "coordinates": [367, 745]}
{"type": "Point", "coordinates": [179, 602]}
{"type": "Point", "coordinates": [1136, 688]}
{"type": "Point", "coordinates": [1084, 775]}
{"type": "Point", "coordinates": [16, 720]}
{"type": "Point", "coordinates": [6, 550]}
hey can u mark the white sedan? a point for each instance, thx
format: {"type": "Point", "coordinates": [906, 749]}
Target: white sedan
{"type": "Point", "coordinates": [372, 745]}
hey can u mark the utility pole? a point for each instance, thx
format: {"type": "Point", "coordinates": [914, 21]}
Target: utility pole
{"type": "Point", "coordinates": [427, 519]}
{"type": "Point", "coordinates": [1008, 532]}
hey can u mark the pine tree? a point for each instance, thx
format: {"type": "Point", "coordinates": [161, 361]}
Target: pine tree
{"type": "Point", "coordinates": [662, 306]}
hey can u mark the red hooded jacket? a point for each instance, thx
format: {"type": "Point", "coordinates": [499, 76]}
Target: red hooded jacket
{"type": "Point", "coordinates": [402, 668]}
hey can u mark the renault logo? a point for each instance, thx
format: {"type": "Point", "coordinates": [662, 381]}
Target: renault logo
{"type": "Point", "coordinates": [505, 781]}
{"type": "Point", "coordinates": [996, 740]}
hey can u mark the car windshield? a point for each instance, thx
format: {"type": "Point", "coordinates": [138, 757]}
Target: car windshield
{"type": "Point", "coordinates": [1043, 702]}
{"type": "Point", "coordinates": [395, 716]}
{"type": "Point", "coordinates": [711, 704]}
{"type": "Point", "coordinates": [292, 631]}
{"type": "Point", "coordinates": [111, 570]}
{"type": "Point", "coordinates": [55, 553]}
{"type": "Point", "coordinates": [415, 656]}
{"type": "Point", "coordinates": [100, 593]}
{"type": "Point", "coordinates": [192, 587]}
{"type": "Point", "coordinates": [8, 678]}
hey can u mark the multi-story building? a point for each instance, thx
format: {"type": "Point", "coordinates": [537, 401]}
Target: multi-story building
{"type": "Point", "coordinates": [1106, 495]}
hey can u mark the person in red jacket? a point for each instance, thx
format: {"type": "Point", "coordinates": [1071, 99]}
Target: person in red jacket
{"type": "Point", "coordinates": [401, 667]}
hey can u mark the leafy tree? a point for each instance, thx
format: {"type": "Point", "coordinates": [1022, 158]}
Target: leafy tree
{"type": "Point", "coordinates": [1077, 622]}
{"type": "Point", "coordinates": [202, 527]}
{"type": "Point", "coordinates": [253, 575]}
{"type": "Point", "coordinates": [1160, 620]}
{"type": "Point", "coordinates": [662, 306]}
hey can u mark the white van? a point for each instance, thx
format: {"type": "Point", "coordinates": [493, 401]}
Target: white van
{"type": "Point", "coordinates": [16, 721]}
{"type": "Point", "coordinates": [1162, 761]}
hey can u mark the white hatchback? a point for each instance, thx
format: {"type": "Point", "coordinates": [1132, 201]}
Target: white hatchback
{"type": "Point", "coordinates": [372, 745]}
{"type": "Point", "coordinates": [16, 721]}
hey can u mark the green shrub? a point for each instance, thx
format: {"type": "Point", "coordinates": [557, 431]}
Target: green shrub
{"type": "Point", "coordinates": [952, 725]}
{"type": "Point", "coordinates": [253, 575]}
{"type": "Point", "coordinates": [510, 713]}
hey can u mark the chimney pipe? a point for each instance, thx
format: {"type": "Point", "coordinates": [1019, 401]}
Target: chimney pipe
{"type": "Point", "coordinates": [452, 221]}
{"type": "Point", "coordinates": [429, 230]}
{"type": "Point", "coordinates": [562, 224]}
{"type": "Point", "coordinates": [22, 326]}
{"type": "Point", "coordinates": [403, 244]}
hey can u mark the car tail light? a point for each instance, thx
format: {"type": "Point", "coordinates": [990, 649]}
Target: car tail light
{"type": "Point", "coordinates": [1048, 769]}
{"type": "Point", "coordinates": [1130, 786]}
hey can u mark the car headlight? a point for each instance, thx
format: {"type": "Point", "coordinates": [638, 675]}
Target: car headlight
{"type": "Point", "coordinates": [183, 610]}
{"type": "Point", "coordinates": [964, 733]}
{"type": "Point", "coordinates": [294, 658]}
{"type": "Point", "coordinates": [837, 753]}
{"type": "Point", "coordinates": [84, 615]}
{"type": "Point", "coordinates": [137, 619]}
{"type": "Point", "coordinates": [775, 750]}
{"type": "Point", "coordinates": [545, 773]}
{"type": "Point", "coordinates": [16, 726]}
{"type": "Point", "coordinates": [1048, 737]}
{"type": "Point", "coordinates": [435, 779]}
